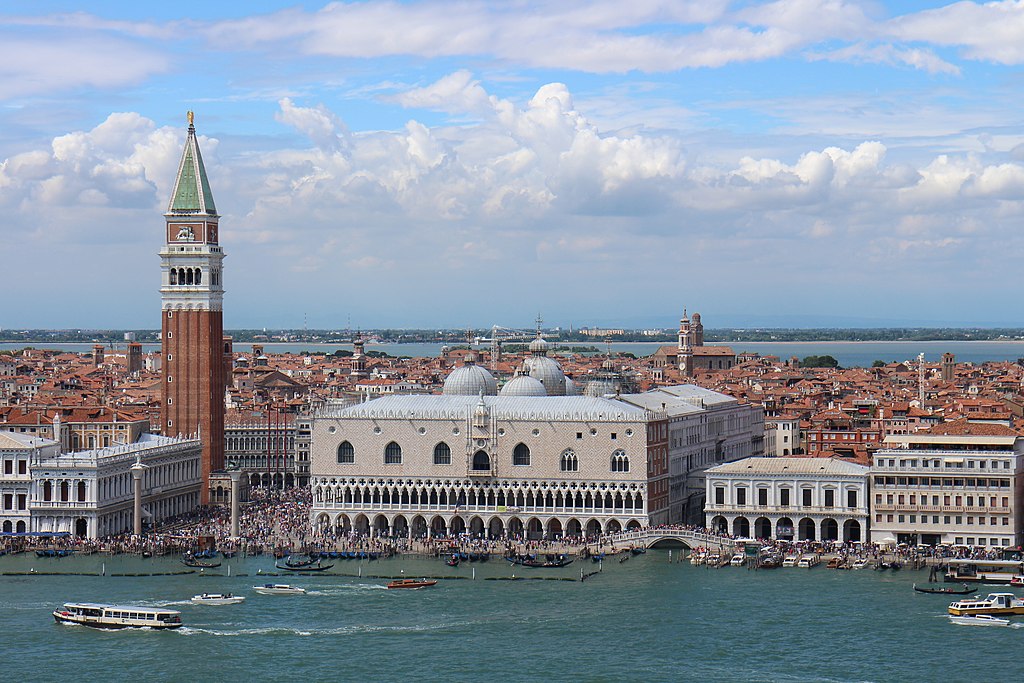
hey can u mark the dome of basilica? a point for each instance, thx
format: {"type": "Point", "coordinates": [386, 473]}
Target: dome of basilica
{"type": "Point", "coordinates": [549, 372]}
{"type": "Point", "coordinates": [546, 370]}
{"type": "Point", "coordinates": [523, 385]}
{"type": "Point", "coordinates": [470, 380]}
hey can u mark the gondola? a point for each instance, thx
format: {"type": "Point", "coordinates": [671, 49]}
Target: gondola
{"type": "Point", "coordinates": [200, 564]}
{"type": "Point", "coordinates": [554, 563]}
{"type": "Point", "coordinates": [638, 551]}
{"type": "Point", "coordinates": [966, 590]}
{"type": "Point", "coordinates": [305, 569]}
{"type": "Point", "coordinates": [293, 563]}
{"type": "Point", "coordinates": [597, 558]}
{"type": "Point", "coordinates": [452, 561]}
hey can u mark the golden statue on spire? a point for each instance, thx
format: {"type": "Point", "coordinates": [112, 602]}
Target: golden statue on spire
{"type": "Point", "coordinates": [191, 117]}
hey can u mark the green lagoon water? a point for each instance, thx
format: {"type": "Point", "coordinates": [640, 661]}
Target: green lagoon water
{"type": "Point", "coordinates": [643, 620]}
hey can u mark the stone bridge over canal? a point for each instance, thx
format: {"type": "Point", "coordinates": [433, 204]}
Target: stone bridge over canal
{"type": "Point", "coordinates": [666, 538]}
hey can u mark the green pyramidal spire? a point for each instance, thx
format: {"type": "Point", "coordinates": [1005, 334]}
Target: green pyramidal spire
{"type": "Point", "coordinates": [192, 193]}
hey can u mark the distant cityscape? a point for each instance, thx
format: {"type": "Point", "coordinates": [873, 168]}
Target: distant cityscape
{"type": "Point", "coordinates": [583, 334]}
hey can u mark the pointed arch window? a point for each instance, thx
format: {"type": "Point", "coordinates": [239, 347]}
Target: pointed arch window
{"type": "Point", "coordinates": [569, 461]}
{"type": "Point", "coordinates": [481, 461]}
{"type": "Point", "coordinates": [392, 454]}
{"type": "Point", "coordinates": [346, 453]}
{"type": "Point", "coordinates": [620, 461]}
{"type": "Point", "coordinates": [442, 454]}
{"type": "Point", "coordinates": [521, 455]}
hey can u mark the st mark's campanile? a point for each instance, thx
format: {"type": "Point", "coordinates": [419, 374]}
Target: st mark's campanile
{"type": "Point", "coordinates": [192, 295]}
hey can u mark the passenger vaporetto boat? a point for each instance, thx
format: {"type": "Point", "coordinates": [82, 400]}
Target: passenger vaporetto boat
{"type": "Point", "coordinates": [278, 589]}
{"type": "Point", "coordinates": [983, 571]}
{"type": "Point", "coordinates": [116, 616]}
{"type": "Point", "coordinates": [994, 603]}
{"type": "Point", "coordinates": [217, 599]}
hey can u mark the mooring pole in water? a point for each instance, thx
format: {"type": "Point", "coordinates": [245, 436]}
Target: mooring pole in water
{"type": "Point", "coordinates": [670, 557]}
{"type": "Point", "coordinates": [103, 571]}
{"type": "Point", "coordinates": [474, 573]}
{"type": "Point", "coordinates": [360, 570]}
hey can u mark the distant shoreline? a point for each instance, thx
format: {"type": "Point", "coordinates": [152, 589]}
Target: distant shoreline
{"type": "Point", "coordinates": [41, 343]}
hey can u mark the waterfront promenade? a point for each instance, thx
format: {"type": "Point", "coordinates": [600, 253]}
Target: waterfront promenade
{"type": "Point", "coordinates": [277, 522]}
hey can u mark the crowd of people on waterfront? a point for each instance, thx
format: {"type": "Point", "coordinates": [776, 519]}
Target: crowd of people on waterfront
{"type": "Point", "coordinates": [276, 520]}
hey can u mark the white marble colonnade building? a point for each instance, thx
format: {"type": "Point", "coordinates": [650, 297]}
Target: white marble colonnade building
{"type": "Point", "coordinates": [90, 493]}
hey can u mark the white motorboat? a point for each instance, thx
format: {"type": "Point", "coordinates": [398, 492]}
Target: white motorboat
{"type": "Point", "coordinates": [116, 616]}
{"type": "Point", "coordinates": [217, 599]}
{"type": "Point", "coordinates": [978, 620]}
{"type": "Point", "coordinates": [809, 561]}
{"type": "Point", "coordinates": [860, 563]}
{"type": "Point", "coordinates": [790, 560]}
{"type": "Point", "coordinates": [738, 560]}
{"type": "Point", "coordinates": [278, 589]}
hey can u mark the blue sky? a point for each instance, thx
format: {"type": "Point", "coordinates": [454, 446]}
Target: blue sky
{"type": "Point", "coordinates": [425, 163]}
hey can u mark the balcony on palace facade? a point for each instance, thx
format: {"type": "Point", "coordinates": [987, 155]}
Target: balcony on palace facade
{"type": "Point", "coordinates": [940, 487]}
{"type": "Point", "coordinates": [925, 507]}
{"type": "Point", "coordinates": [786, 509]}
{"type": "Point", "coordinates": [62, 504]}
{"type": "Point", "coordinates": [483, 509]}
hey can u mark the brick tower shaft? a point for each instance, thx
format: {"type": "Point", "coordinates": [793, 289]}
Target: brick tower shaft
{"type": "Point", "coordinates": [192, 328]}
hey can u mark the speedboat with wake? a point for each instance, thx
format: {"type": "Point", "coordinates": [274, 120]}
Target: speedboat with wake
{"type": "Point", "coordinates": [217, 599]}
{"type": "Point", "coordinates": [979, 620]}
{"type": "Point", "coordinates": [278, 589]}
{"type": "Point", "coordinates": [412, 583]}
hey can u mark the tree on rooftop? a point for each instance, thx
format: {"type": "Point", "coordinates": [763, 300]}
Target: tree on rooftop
{"type": "Point", "coordinates": [819, 362]}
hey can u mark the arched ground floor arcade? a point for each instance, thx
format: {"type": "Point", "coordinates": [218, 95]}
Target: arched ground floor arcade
{"type": "Point", "coordinates": [436, 524]}
{"type": "Point", "coordinates": [87, 522]}
{"type": "Point", "coordinates": [797, 527]}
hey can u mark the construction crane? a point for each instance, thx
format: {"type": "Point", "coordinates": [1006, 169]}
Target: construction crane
{"type": "Point", "coordinates": [499, 335]}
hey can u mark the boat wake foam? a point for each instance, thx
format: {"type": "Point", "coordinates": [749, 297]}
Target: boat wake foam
{"type": "Point", "coordinates": [343, 590]}
{"type": "Point", "coordinates": [339, 631]}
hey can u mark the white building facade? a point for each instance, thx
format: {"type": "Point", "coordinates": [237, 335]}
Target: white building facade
{"type": "Point", "coordinates": [17, 452]}
{"type": "Point", "coordinates": [782, 436]}
{"type": "Point", "coordinates": [90, 493]}
{"type": "Point", "coordinates": [955, 489]}
{"type": "Point", "coordinates": [791, 499]}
